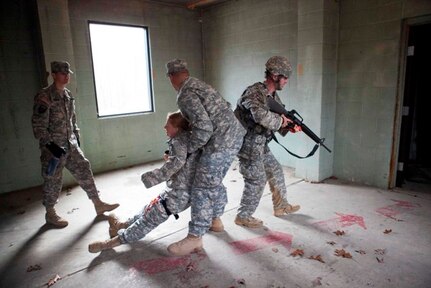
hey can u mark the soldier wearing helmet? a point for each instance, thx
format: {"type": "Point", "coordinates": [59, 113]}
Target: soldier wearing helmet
{"type": "Point", "coordinates": [257, 164]}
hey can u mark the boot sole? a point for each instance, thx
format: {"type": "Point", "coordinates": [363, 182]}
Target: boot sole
{"type": "Point", "coordinates": [249, 226]}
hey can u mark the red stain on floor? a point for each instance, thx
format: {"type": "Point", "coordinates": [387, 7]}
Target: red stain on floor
{"type": "Point", "coordinates": [250, 245]}
{"type": "Point", "coordinates": [399, 207]}
{"type": "Point", "coordinates": [158, 265]}
{"type": "Point", "coordinates": [343, 220]}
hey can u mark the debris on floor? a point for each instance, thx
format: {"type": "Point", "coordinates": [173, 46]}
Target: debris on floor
{"type": "Point", "coordinates": [339, 232]}
{"type": "Point", "coordinates": [34, 268]}
{"type": "Point", "coordinates": [317, 258]}
{"type": "Point", "coordinates": [387, 231]}
{"type": "Point", "coordinates": [317, 282]}
{"type": "Point", "coordinates": [342, 253]}
{"type": "Point", "coordinates": [54, 280]}
{"type": "Point", "coordinates": [297, 252]}
{"type": "Point", "coordinates": [71, 211]}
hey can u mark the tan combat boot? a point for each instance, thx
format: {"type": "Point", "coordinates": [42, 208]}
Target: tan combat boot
{"type": "Point", "coordinates": [217, 225]}
{"type": "Point", "coordinates": [286, 210]}
{"type": "Point", "coordinates": [186, 246]}
{"type": "Point", "coordinates": [52, 218]}
{"type": "Point", "coordinates": [102, 207]}
{"type": "Point", "coordinates": [98, 246]}
{"type": "Point", "coordinates": [249, 222]}
{"type": "Point", "coordinates": [115, 225]}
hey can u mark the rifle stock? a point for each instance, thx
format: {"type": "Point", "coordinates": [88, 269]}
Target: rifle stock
{"type": "Point", "coordinates": [276, 107]}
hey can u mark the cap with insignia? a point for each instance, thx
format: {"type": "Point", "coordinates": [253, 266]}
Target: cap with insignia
{"type": "Point", "coordinates": [60, 66]}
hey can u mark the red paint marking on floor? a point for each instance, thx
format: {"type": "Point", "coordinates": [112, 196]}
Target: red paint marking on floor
{"type": "Point", "coordinates": [399, 207]}
{"type": "Point", "coordinates": [158, 265]}
{"type": "Point", "coordinates": [343, 220]}
{"type": "Point", "coordinates": [250, 245]}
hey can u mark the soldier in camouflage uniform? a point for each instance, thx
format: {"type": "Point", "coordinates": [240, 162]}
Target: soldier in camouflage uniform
{"type": "Point", "coordinates": [54, 125]}
{"type": "Point", "coordinates": [257, 164]}
{"type": "Point", "coordinates": [215, 131]}
{"type": "Point", "coordinates": [178, 171]}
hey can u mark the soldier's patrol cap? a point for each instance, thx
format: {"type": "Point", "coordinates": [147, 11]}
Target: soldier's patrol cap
{"type": "Point", "coordinates": [175, 65]}
{"type": "Point", "coordinates": [279, 65]}
{"type": "Point", "coordinates": [60, 66]}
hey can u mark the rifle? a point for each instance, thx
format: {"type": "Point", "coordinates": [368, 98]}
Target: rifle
{"type": "Point", "coordinates": [276, 107]}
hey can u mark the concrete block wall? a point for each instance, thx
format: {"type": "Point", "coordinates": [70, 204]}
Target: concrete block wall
{"type": "Point", "coordinates": [317, 58]}
{"type": "Point", "coordinates": [19, 81]}
{"type": "Point", "coordinates": [108, 143]}
{"type": "Point", "coordinates": [116, 142]}
{"type": "Point", "coordinates": [369, 45]}
{"type": "Point", "coordinates": [239, 37]}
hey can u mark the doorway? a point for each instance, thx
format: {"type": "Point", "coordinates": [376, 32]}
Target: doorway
{"type": "Point", "coordinates": [414, 154]}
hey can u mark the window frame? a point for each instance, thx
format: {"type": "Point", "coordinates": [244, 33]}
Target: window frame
{"type": "Point", "coordinates": [150, 74]}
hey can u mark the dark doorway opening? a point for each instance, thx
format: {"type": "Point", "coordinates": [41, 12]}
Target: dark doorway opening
{"type": "Point", "coordinates": [414, 155]}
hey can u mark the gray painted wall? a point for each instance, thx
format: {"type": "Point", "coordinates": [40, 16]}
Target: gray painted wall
{"type": "Point", "coordinates": [352, 43]}
{"type": "Point", "coordinates": [346, 54]}
{"type": "Point", "coordinates": [108, 143]}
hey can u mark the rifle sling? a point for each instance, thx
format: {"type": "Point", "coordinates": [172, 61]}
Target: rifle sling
{"type": "Point", "coordinates": [293, 154]}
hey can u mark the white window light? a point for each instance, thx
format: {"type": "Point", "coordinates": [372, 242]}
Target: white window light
{"type": "Point", "coordinates": [122, 70]}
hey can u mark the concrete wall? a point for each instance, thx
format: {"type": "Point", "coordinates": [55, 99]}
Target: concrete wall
{"type": "Point", "coordinates": [240, 36]}
{"type": "Point", "coordinates": [108, 143]}
{"type": "Point", "coordinates": [369, 45]}
{"type": "Point", "coordinates": [19, 81]}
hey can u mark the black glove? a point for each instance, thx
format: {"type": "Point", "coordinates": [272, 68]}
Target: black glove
{"type": "Point", "coordinates": [56, 150]}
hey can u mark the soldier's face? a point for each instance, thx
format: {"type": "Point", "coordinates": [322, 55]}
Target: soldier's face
{"type": "Point", "coordinates": [171, 131]}
{"type": "Point", "coordinates": [61, 78]}
{"type": "Point", "coordinates": [280, 83]}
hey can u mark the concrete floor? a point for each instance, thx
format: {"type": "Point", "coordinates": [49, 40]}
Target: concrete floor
{"type": "Point", "coordinates": [32, 253]}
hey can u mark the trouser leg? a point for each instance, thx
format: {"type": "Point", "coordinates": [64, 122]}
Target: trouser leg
{"type": "Point", "coordinates": [254, 176]}
{"type": "Point", "coordinates": [275, 177]}
{"type": "Point", "coordinates": [51, 184]}
{"type": "Point", "coordinates": [80, 168]}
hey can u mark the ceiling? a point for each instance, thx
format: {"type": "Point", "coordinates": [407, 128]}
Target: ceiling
{"type": "Point", "coordinates": [192, 4]}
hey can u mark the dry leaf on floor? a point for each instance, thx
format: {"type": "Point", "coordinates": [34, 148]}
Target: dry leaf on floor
{"type": "Point", "coordinates": [339, 232]}
{"type": "Point", "coordinates": [342, 253]}
{"type": "Point", "coordinates": [362, 252]}
{"type": "Point", "coordinates": [317, 258]}
{"type": "Point", "coordinates": [275, 250]}
{"type": "Point", "coordinates": [387, 231]}
{"type": "Point", "coordinates": [53, 280]}
{"type": "Point", "coordinates": [297, 252]}
{"type": "Point", "coordinates": [331, 243]}
{"type": "Point", "coordinates": [380, 251]}
{"type": "Point", "coordinates": [34, 268]}
{"type": "Point", "coordinates": [380, 260]}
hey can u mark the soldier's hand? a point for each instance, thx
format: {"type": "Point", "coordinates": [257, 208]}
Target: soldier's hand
{"type": "Point", "coordinates": [295, 129]}
{"type": "Point", "coordinates": [166, 155]}
{"type": "Point", "coordinates": [56, 150]}
{"type": "Point", "coordinates": [286, 121]}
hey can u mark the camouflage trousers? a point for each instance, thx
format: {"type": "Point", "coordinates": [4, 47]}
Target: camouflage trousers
{"type": "Point", "coordinates": [154, 214]}
{"type": "Point", "coordinates": [80, 168]}
{"type": "Point", "coordinates": [208, 197]}
{"type": "Point", "coordinates": [256, 172]}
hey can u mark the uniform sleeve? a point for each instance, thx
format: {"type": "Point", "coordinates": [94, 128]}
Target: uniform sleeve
{"type": "Point", "coordinates": [75, 125]}
{"type": "Point", "coordinates": [202, 129]}
{"type": "Point", "coordinates": [40, 118]}
{"type": "Point", "coordinates": [282, 131]}
{"type": "Point", "coordinates": [255, 103]}
{"type": "Point", "coordinates": [176, 160]}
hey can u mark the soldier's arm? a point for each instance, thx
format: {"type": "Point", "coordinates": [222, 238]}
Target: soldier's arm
{"type": "Point", "coordinates": [255, 102]}
{"type": "Point", "coordinates": [175, 162]}
{"type": "Point", "coordinates": [75, 125]}
{"type": "Point", "coordinates": [201, 125]}
{"type": "Point", "coordinates": [40, 118]}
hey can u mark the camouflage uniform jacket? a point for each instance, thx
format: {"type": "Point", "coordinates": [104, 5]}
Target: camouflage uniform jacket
{"type": "Point", "coordinates": [254, 114]}
{"type": "Point", "coordinates": [177, 169]}
{"type": "Point", "coordinates": [209, 114]}
{"type": "Point", "coordinates": [54, 118]}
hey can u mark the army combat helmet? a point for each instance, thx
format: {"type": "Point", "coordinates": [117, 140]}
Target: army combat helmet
{"type": "Point", "coordinates": [279, 65]}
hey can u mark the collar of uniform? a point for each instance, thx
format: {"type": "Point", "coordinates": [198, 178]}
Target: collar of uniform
{"type": "Point", "coordinates": [184, 84]}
